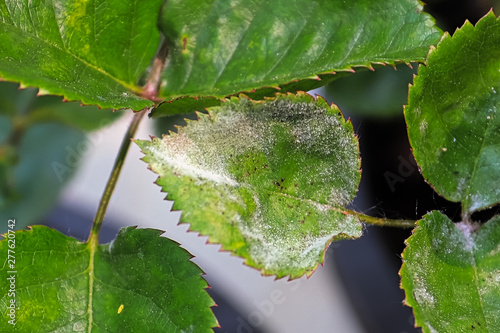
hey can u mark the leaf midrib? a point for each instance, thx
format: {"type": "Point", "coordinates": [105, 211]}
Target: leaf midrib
{"type": "Point", "coordinates": [92, 249]}
{"type": "Point", "coordinates": [476, 280]}
{"type": "Point", "coordinates": [310, 201]}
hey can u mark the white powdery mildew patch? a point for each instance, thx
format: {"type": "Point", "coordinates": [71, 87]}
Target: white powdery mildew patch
{"type": "Point", "coordinates": [273, 250]}
{"type": "Point", "coordinates": [422, 295]}
{"type": "Point", "coordinates": [479, 200]}
{"type": "Point", "coordinates": [431, 329]}
{"type": "Point", "coordinates": [467, 230]}
{"type": "Point", "coordinates": [495, 278]}
{"type": "Point", "coordinates": [339, 197]}
{"type": "Point", "coordinates": [204, 148]}
{"type": "Point", "coordinates": [462, 185]}
{"type": "Point", "coordinates": [197, 150]}
{"type": "Point", "coordinates": [323, 134]}
{"type": "Point", "coordinates": [212, 143]}
{"type": "Point", "coordinates": [494, 251]}
{"type": "Point", "coordinates": [423, 127]}
{"type": "Point", "coordinates": [79, 326]}
{"type": "Point", "coordinates": [181, 163]}
{"type": "Point", "coordinates": [313, 132]}
{"type": "Point", "coordinates": [317, 245]}
{"type": "Point", "coordinates": [69, 293]}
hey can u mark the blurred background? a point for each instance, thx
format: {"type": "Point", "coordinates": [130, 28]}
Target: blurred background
{"type": "Point", "coordinates": [356, 291]}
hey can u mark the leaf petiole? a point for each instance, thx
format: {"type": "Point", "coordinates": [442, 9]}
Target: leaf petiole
{"type": "Point", "coordinates": [113, 178]}
{"type": "Point", "coordinates": [382, 221]}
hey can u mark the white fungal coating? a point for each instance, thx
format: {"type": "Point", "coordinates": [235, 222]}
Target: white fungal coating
{"type": "Point", "coordinates": [294, 158]}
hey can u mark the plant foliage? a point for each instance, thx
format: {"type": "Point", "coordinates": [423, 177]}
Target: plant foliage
{"type": "Point", "coordinates": [267, 175]}
{"type": "Point", "coordinates": [451, 271]}
{"type": "Point", "coordinates": [139, 280]}
{"type": "Point", "coordinates": [268, 180]}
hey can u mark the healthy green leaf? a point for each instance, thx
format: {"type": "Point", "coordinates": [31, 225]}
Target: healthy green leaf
{"type": "Point", "coordinates": [451, 275]}
{"type": "Point", "coordinates": [93, 51]}
{"type": "Point", "coordinates": [137, 282]}
{"type": "Point", "coordinates": [452, 116]}
{"type": "Point", "coordinates": [268, 180]}
{"type": "Point", "coordinates": [222, 47]}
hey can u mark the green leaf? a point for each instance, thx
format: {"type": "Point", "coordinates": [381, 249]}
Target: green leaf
{"type": "Point", "coordinates": [268, 180]}
{"type": "Point", "coordinates": [93, 51]}
{"type": "Point", "coordinates": [222, 47]}
{"type": "Point", "coordinates": [184, 105]}
{"type": "Point", "coordinates": [452, 116]}
{"type": "Point", "coordinates": [378, 93]}
{"type": "Point", "coordinates": [38, 152]}
{"type": "Point", "coordinates": [451, 275]}
{"type": "Point", "coordinates": [138, 281]}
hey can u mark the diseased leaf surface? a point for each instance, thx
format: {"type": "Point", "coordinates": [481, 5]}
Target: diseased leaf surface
{"type": "Point", "coordinates": [139, 281]}
{"type": "Point", "coordinates": [451, 275]}
{"type": "Point", "coordinates": [93, 51]}
{"type": "Point", "coordinates": [221, 47]}
{"type": "Point", "coordinates": [452, 116]}
{"type": "Point", "coordinates": [267, 180]}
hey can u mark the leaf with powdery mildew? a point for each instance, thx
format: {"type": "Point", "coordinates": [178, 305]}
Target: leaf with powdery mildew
{"type": "Point", "coordinates": [137, 282]}
{"type": "Point", "coordinates": [268, 180]}
{"type": "Point", "coordinates": [93, 51]}
{"type": "Point", "coordinates": [451, 275]}
{"type": "Point", "coordinates": [453, 116]}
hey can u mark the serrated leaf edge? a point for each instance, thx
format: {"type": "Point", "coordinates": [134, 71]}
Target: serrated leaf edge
{"type": "Point", "coordinates": [159, 233]}
{"type": "Point", "coordinates": [444, 39]}
{"type": "Point", "coordinates": [299, 94]}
